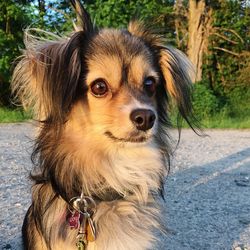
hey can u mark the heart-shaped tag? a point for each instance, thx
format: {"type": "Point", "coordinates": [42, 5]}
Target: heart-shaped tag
{"type": "Point", "coordinates": [74, 220]}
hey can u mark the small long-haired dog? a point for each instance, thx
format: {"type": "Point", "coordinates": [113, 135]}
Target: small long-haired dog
{"type": "Point", "coordinates": [101, 97]}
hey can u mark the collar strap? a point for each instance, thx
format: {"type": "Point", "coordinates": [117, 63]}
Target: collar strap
{"type": "Point", "coordinates": [108, 196]}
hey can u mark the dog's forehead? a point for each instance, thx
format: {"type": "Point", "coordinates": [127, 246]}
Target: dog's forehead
{"type": "Point", "coordinates": [118, 42]}
{"type": "Point", "coordinates": [119, 56]}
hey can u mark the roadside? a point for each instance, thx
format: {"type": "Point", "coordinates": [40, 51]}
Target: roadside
{"type": "Point", "coordinates": [207, 192]}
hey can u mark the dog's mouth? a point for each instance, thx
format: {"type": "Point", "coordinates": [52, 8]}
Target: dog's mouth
{"type": "Point", "coordinates": [134, 138]}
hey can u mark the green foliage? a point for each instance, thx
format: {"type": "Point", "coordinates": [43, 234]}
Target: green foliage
{"type": "Point", "coordinates": [227, 65]}
{"type": "Point", "coordinates": [243, 78]}
{"type": "Point", "coordinates": [221, 99]}
{"type": "Point", "coordinates": [13, 115]}
{"type": "Point", "coordinates": [239, 102]}
{"type": "Point", "coordinates": [219, 112]}
{"type": "Point", "coordinates": [117, 14]}
{"type": "Point", "coordinates": [229, 40]}
{"type": "Point", "coordinates": [230, 111]}
{"type": "Point", "coordinates": [205, 102]}
{"type": "Point", "coordinates": [13, 18]}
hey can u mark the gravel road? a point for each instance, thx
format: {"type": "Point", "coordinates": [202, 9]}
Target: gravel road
{"type": "Point", "coordinates": [207, 192]}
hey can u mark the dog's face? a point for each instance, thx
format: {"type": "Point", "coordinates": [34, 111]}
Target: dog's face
{"type": "Point", "coordinates": [121, 83]}
{"type": "Point", "coordinates": [110, 85]}
{"type": "Point", "coordinates": [113, 84]}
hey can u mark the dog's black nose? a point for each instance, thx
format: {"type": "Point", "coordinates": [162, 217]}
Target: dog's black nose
{"type": "Point", "coordinates": [143, 118]}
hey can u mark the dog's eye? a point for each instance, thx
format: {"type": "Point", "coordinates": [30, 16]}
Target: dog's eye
{"type": "Point", "coordinates": [150, 85]}
{"type": "Point", "coordinates": [99, 88]}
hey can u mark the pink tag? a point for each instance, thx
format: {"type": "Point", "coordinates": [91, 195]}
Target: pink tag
{"type": "Point", "coordinates": [74, 220]}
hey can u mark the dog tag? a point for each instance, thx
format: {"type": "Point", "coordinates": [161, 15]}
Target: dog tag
{"type": "Point", "coordinates": [82, 209]}
{"type": "Point", "coordinates": [74, 220]}
{"type": "Point", "coordinates": [91, 231]}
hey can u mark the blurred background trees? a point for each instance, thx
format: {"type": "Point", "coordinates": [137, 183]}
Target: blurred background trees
{"type": "Point", "coordinates": [13, 17]}
{"type": "Point", "coordinates": [214, 33]}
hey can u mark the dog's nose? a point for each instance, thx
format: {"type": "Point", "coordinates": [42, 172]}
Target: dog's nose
{"type": "Point", "coordinates": [143, 118]}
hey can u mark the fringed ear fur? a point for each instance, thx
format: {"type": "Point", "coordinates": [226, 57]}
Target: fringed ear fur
{"type": "Point", "coordinates": [175, 68]}
{"type": "Point", "coordinates": [177, 72]}
{"type": "Point", "coordinates": [46, 79]}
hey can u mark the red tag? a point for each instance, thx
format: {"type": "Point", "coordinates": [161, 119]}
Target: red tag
{"type": "Point", "coordinates": [74, 220]}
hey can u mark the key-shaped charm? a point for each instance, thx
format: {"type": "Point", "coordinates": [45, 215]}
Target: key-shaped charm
{"type": "Point", "coordinates": [81, 237]}
{"type": "Point", "coordinates": [91, 231]}
{"type": "Point", "coordinates": [80, 243]}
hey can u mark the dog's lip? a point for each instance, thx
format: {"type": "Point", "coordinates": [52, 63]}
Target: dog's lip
{"type": "Point", "coordinates": [135, 139]}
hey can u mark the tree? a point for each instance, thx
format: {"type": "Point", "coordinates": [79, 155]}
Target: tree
{"type": "Point", "coordinates": [229, 45]}
{"type": "Point", "coordinates": [214, 33]}
{"type": "Point", "coordinates": [199, 29]}
{"type": "Point", "coordinates": [181, 24]}
{"type": "Point", "coordinates": [17, 15]}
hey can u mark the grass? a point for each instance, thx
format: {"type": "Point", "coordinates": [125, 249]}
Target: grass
{"type": "Point", "coordinates": [226, 122]}
{"type": "Point", "coordinates": [228, 119]}
{"type": "Point", "coordinates": [13, 115]}
{"type": "Point", "coordinates": [218, 121]}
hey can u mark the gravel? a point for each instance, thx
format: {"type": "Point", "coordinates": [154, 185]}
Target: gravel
{"type": "Point", "coordinates": [207, 191]}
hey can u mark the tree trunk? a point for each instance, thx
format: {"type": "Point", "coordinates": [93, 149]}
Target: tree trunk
{"type": "Point", "coordinates": [177, 8]}
{"type": "Point", "coordinates": [199, 27]}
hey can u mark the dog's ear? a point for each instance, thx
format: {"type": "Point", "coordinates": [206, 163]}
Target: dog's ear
{"type": "Point", "coordinates": [176, 70]}
{"type": "Point", "coordinates": [46, 79]}
{"type": "Point", "coordinates": [83, 21]}
{"type": "Point", "coordinates": [49, 75]}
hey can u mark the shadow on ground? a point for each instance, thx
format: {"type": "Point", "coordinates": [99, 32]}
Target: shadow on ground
{"type": "Point", "coordinates": [208, 207]}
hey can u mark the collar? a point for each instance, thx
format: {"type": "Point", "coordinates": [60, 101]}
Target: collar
{"type": "Point", "coordinates": [108, 196]}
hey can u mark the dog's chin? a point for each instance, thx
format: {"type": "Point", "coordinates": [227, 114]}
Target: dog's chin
{"type": "Point", "coordinates": [133, 138]}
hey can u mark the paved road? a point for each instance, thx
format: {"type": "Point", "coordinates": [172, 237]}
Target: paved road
{"type": "Point", "coordinates": [207, 192]}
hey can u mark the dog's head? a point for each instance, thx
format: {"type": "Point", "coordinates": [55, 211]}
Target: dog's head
{"type": "Point", "coordinates": [115, 83]}
{"type": "Point", "coordinates": [98, 94]}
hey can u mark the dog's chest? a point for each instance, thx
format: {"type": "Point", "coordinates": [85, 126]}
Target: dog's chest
{"type": "Point", "coordinates": [138, 170]}
{"type": "Point", "coordinates": [139, 162]}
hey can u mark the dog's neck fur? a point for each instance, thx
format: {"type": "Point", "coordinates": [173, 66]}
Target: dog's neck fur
{"type": "Point", "coordinates": [96, 165]}
{"type": "Point", "coordinates": [131, 172]}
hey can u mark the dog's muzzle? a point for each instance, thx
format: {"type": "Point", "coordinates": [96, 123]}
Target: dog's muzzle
{"type": "Point", "coordinates": [143, 120]}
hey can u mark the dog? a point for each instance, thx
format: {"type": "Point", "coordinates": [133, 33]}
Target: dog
{"type": "Point", "coordinates": [101, 98]}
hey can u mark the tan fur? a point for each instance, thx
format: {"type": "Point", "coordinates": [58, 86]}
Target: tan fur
{"type": "Point", "coordinates": [167, 57]}
{"type": "Point", "coordinates": [90, 144]}
{"type": "Point", "coordinates": [165, 60]}
{"type": "Point", "coordinates": [107, 68]}
{"type": "Point", "coordinates": [140, 67]}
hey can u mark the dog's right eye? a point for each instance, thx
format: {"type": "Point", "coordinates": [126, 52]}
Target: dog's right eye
{"type": "Point", "coordinates": [150, 85]}
{"type": "Point", "coordinates": [99, 88]}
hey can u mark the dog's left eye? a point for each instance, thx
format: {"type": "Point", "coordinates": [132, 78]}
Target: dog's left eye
{"type": "Point", "coordinates": [99, 88]}
{"type": "Point", "coordinates": [149, 85]}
